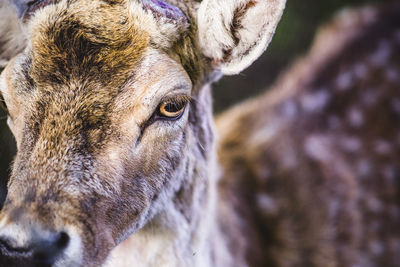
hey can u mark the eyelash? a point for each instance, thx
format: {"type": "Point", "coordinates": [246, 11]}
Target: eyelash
{"type": "Point", "coordinates": [177, 103]}
{"type": "Point", "coordinates": [184, 99]}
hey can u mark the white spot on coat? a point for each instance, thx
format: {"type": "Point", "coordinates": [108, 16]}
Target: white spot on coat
{"type": "Point", "coordinates": [316, 101]}
{"type": "Point", "coordinates": [267, 203]}
{"type": "Point", "coordinates": [392, 74]}
{"type": "Point", "coordinates": [344, 81]}
{"type": "Point", "coordinates": [374, 204]}
{"type": "Point", "coordinates": [382, 147]}
{"type": "Point", "coordinates": [364, 167]}
{"type": "Point", "coordinates": [355, 117]}
{"type": "Point", "coordinates": [396, 105]}
{"type": "Point", "coordinates": [360, 70]}
{"type": "Point", "coordinates": [318, 147]}
{"type": "Point", "coordinates": [289, 109]}
{"type": "Point", "coordinates": [376, 247]}
{"type": "Point", "coordinates": [381, 56]}
{"type": "Point", "coordinates": [350, 144]}
{"type": "Point", "coordinates": [389, 172]}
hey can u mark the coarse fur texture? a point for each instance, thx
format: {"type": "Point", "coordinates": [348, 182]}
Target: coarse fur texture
{"type": "Point", "coordinates": [309, 171]}
{"type": "Point", "coordinates": [236, 32]}
{"type": "Point", "coordinates": [102, 177]}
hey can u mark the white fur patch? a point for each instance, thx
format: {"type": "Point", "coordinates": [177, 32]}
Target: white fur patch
{"type": "Point", "coordinates": [253, 29]}
{"type": "Point", "coordinates": [73, 254]}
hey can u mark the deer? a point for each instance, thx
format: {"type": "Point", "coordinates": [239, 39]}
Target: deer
{"type": "Point", "coordinates": [110, 106]}
{"type": "Point", "coordinates": [118, 162]}
{"type": "Point", "coordinates": [313, 163]}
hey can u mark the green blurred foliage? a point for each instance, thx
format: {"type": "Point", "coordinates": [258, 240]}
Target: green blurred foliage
{"type": "Point", "coordinates": [7, 150]}
{"type": "Point", "coordinates": [293, 37]}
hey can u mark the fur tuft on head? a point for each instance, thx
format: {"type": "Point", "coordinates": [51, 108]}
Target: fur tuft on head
{"type": "Point", "coordinates": [159, 17]}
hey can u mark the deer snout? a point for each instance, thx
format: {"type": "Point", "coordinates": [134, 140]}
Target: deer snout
{"type": "Point", "coordinates": [28, 245]}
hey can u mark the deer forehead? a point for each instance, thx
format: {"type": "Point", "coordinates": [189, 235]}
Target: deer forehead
{"type": "Point", "coordinates": [88, 52]}
{"type": "Point", "coordinates": [79, 76]}
{"type": "Point", "coordinates": [101, 39]}
{"type": "Point", "coordinates": [91, 41]}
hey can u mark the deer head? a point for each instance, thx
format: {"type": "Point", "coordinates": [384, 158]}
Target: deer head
{"type": "Point", "coordinates": [112, 118]}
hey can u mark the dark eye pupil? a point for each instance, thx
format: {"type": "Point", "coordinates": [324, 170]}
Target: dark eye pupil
{"type": "Point", "coordinates": [173, 107]}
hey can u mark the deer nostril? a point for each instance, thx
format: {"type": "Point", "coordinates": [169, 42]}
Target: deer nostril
{"type": "Point", "coordinates": [63, 240]}
{"type": "Point", "coordinates": [47, 250]}
{"type": "Point", "coordinates": [12, 256]}
{"type": "Point", "coordinates": [7, 248]}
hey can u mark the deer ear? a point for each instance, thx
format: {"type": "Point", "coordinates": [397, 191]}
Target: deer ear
{"type": "Point", "coordinates": [234, 33]}
{"type": "Point", "coordinates": [12, 39]}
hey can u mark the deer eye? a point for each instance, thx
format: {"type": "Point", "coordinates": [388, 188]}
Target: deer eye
{"type": "Point", "coordinates": [3, 105]}
{"type": "Point", "coordinates": [173, 108]}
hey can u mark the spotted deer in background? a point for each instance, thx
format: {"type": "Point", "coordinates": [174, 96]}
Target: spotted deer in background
{"type": "Point", "coordinates": [314, 164]}
{"type": "Point", "coordinates": [110, 106]}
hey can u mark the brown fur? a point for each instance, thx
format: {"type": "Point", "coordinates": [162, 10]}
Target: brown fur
{"type": "Point", "coordinates": [311, 168]}
{"type": "Point", "coordinates": [76, 46]}
{"type": "Point", "coordinates": [80, 86]}
{"type": "Point", "coordinates": [96, 159]}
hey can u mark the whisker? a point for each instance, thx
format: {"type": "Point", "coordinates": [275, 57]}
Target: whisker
{"type": "Point", "coordinates": [201, 146]}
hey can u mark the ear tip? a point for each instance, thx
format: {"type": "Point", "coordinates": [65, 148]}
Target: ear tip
{"type": "Point", "coordinates": [231, 69]}
{"type": "Point", "coordinates": [240, 63]}
{"type": "Point", "coordinates": [236, 66]}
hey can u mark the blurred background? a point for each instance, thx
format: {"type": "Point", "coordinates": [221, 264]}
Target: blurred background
{"type": "Point", "coordinates": [293, 38]}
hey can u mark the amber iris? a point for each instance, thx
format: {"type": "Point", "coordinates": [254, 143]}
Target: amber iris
{"type": "Point", "coordinates": [172, 109]}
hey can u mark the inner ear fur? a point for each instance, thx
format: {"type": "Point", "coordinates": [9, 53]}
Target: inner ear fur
{"type": "Point", "coordinates": [234, 33]}
{"type": "Point", "coordinates": [12, 39]}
